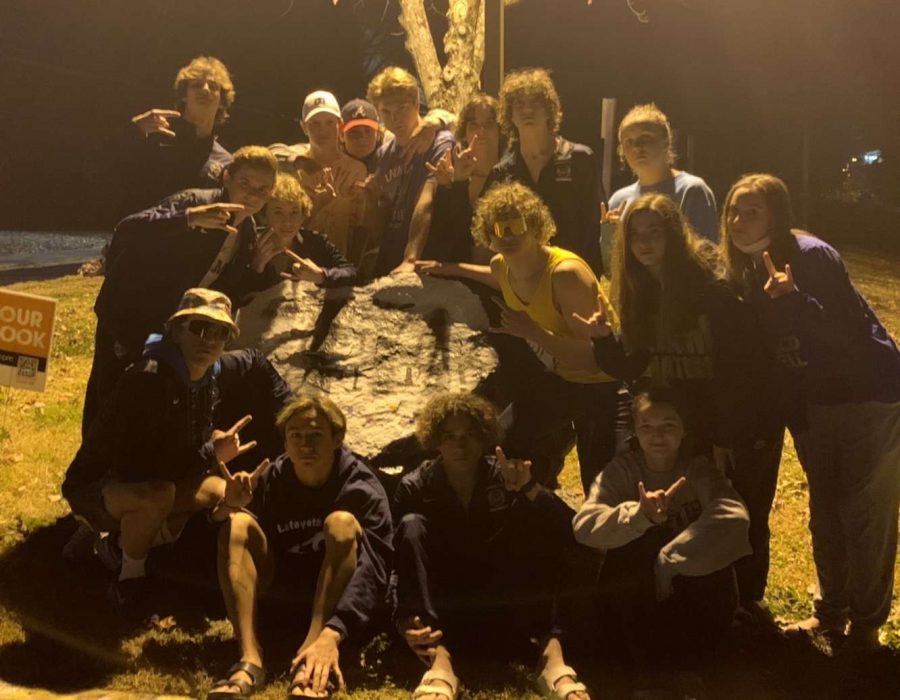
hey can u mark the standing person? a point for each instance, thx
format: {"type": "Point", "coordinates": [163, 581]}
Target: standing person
{"type": "Point", "coordinates": [312, 536]}
{"type": "Point", "coordinates": [149, 460]}
{"type": "Point", "coordinates": [645, 145]}
{"type": "Point", "coordinates": [840, 374]}
{"type": "Point", "coordinates": [542, 287]}
{"type": "Point", "coordinates": [479, 546]}
{"type": "Point", "coordinates": [566, 175]}
{"type": "Point", "coordinates": [170, 150]}
{"type": "Point", "coordinates": [362, 134]}
{"type": "Point", "coordinates": [462, 176]}
{"type": "Point", "coordinates": [670, 528]}
{"type": "Point", "coordinates": [332, 179]}
{"type": "Point", "coordinates": [196, 238]}
{"type": "Point", "coordinates": [686, 329]}
{"type": "Point", "coordinates": [404, 185]}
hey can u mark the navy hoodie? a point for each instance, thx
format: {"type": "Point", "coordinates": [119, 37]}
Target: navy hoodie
{"type": "Point", "coordinates": [292, 515]}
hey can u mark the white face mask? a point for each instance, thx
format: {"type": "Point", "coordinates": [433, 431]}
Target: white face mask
{"type": "Point", "coordinates": [755, 247]}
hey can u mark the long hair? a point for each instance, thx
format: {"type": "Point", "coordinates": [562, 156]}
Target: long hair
{"type": "Point", "coordinates": [778, 201]}
{"type": "Point", "coordinates": [651, 311]}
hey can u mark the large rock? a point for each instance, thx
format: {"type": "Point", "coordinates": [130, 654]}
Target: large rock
{"type": "Point", "coordinates": [380, 352]}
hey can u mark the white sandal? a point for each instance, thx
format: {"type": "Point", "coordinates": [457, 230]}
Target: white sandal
{"type": "Point", "coordinates": [425, 686]}
{"type": "Point", "coordinates": [547, 683]}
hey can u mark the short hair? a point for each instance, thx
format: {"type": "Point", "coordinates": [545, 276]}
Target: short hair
{"type": "Point", "coordinates": [650, 394]}
{"type": "Point", "coordinates": [528, 84]}
{"type": "Point", "coordinates": [480, 411]}
{"type": "Point", "coordinates": [467, 113]}
{"type": "Point", "coordinates": [392, 82]}
{"type": "Point", "coordinates": [288, 189]}
{"type": "Point", "coordinates": [647, 115]}
{"type": "Point", "coordinates": [511, 200]}
{"type": "Point", "coordinates": [258, 157]}
{"type": "Point", "coordinates": [321, 405]}
{"type": "Point", "coordinates": [206, 66]}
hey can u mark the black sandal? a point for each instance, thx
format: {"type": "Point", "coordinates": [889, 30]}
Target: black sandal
{"type": "Point", "coordinates": [257, 675]}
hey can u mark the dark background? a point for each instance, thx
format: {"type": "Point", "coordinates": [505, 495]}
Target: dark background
{"type": "Point", "coordinates": [744, 77]}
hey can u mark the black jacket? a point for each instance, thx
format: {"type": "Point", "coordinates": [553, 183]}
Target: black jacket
{"type": "Point", "coordinates": [339, 272]}
{"type": "Point", "coordinates": [155, 257]}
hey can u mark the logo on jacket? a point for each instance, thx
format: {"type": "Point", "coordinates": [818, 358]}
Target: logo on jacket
{"type": "Point", "coordinates": [564, 172]}
{"type": "Point", "coordinates": [496, 498]}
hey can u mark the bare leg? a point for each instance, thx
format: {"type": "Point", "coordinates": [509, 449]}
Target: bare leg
{"type": "Point", "coordinates": [441, 662]}
{"type": "Point", "coordinates": [553, 657]}
{"type": "Point", "coordinates": [245, 568]}
{"type": "Point", "coordinates": [191, 498]}
{"type": "Point", "coordinates": [140, 509]}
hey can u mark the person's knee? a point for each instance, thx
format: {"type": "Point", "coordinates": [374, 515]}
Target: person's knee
{"type": "Point", "coordinates": [156, 497]}
{"type": "Point", "coordinates": [239, 530]}
{"type": "Point", "coordinates": [341, 528]}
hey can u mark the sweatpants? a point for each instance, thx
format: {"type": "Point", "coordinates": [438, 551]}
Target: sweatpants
{"type": "Point", "coordinates": [493, 596]}
{"type": "Point", "coordinates": [851, 456]}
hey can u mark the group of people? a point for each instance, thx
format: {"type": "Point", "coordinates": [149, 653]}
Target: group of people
{"type": "Point", "coordinates": [719, 333]}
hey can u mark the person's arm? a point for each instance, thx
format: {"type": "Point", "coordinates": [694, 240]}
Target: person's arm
{"type": "Point", "coordinates": [366, 588]}
{"type": "Point", "coordinates": [140, 406]}
{"type": "Point", "coordinates": [419, 225]}
{"type": "Point", "coordinates": [337, 271]}
{"type": "Point", "coordinates": [717, 538]}
{"type": "Point", "coordinates": [469, 271]}
{"type": "Point", "coordinates": [611, 516]}
{"type": "Point", "coordinates": [699, 207]}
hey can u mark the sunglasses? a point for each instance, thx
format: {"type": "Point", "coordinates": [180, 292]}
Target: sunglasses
{"type": "Point", "coordinates": [510, 227]}
{"type": "Point", "coordinates": [209, 331]}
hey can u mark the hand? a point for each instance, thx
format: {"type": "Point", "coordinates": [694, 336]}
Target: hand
{"type": "Point", "coordinates": [228, 445]}
{"type": "Point", "coordinates": [303, 269]}
{"type": "Point", "coordinates": [516, 323]}
{"type": "Point", "coordinates": [319, 185]}
{"type": "Point", "coordinates": [266, 248]}
{"type": "Point", "coordinates": [724, 459]}
{"type": "Point", "coordinates": [346, 173]}
{"type": "Point", "coordinates": [405, 266]}
{"type": "Point", "coordinates": [611, 216]}
{"type": "Point", "coordinates": [155, 121]}
{"type": "Point", "coordinates": [214, 216]}
{"type": "Point", "coordinates": [466, 160]}
{"type": "Point", "coordinates": [432, 267]}
{"type": "Point", "coordinates": [421, 639]}
{"type": "Point", "coordinates": [516, 473]}
{"type": "Point", "coordinates": [655, 505]}
{"type": "Point", "coordinates": [444, 171]}
{"type": "Point", "coordinates": [597, 325]}
{"type": "Point", "coordinates": [318, 661]}
{"type": "Point", "coordinates": [779, 284]}
{"type": "Point", "coordinates": [421, 140]}
{"type": "Point", "coordinates": [239, 487]}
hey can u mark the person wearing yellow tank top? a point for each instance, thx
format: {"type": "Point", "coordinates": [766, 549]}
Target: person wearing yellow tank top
{"type": "Point", "coordinates": [542, 288]}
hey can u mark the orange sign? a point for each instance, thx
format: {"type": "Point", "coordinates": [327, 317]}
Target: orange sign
{"type": "Point", "coordinates": [26, 334]}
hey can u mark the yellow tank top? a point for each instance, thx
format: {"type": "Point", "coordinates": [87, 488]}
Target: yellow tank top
{"type": "Point", "coordinates": [543, 311]}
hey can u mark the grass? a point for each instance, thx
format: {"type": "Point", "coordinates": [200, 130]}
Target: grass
{"type": "Point", "coordinates": [57, 633]}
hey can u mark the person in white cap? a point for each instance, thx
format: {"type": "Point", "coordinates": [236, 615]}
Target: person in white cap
{"type": "Point", "coordinates": [152, 457]}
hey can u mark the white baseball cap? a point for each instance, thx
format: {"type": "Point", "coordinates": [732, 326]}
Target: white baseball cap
{"type": "Point", "coordinates": [320, 101]}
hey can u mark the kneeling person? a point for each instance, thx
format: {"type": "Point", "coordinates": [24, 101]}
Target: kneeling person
{"type": "Point", "coordinates": [316, 532]}
{"type": "Point", "coordinates": [478, 543]}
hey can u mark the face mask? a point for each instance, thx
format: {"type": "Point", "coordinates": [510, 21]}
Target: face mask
{"type": "Point", "coordinates": [757, 247]}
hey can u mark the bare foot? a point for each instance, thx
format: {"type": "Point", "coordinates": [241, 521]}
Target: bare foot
{"type": "Point", "coordinates": [812, 625]}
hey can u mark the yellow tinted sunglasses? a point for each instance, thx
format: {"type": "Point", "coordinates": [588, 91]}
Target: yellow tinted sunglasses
{"type": "Point", "coordinates": [510, 227]}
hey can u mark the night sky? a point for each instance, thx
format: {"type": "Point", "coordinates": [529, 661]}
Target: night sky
{"type": "Point", "coordinates": [743, 77]}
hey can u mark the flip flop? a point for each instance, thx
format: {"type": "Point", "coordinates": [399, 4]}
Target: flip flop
{"type": "Point", "coordinates": [426, 686]}
{"type": "Point", "coordinates": [547, 682]}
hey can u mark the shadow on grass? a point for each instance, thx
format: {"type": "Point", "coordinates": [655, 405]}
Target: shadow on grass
{"type": "Point", "coordinates": [65, 637]}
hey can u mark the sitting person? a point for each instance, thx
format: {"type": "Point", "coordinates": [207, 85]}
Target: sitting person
{"type": "Point", "coordinates": [671, 528]}
{"type": "Point", "coordinates": [314, 535]}
{"type": "Point", "coordinates": [478, 543]}
{"type": "Point", "coordinates": [149, 460]}
{"type": "Point", "coordinates": [301, 254]}
{"type": "Point", "coordinates": [645, 145]}
{"type": "Point", "coordinates": [169, 150]}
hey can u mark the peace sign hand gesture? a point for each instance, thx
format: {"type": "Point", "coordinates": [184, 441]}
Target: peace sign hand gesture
{"type": "Point", "coordinates": [597, 325]}
{"type": "Point", "coordinates": [227, 444]}
{"type": "Point", "coordinates": [779, 284]}
{"type": "Point", "coordinates": [655, 504]}
{"type": "Point", "coordinates": [239, 487]}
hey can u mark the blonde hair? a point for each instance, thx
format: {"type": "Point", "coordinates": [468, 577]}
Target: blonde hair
{"type": "Point", "coordinates": [647, 115]}
{"type": "Point", "coordinates": [321, 405]}
{"type": "Point", "coordinates": [288, 189]}
{"type": "Point", "coordinates": [206, 67]}
{"type": "Point", "coordinates": [258, 157]}
{"type": "Point", "coordinates": [524, 85]}
{"type": "Point", "coordinates": [511, 200]}
{"type": "Point", "coordinates": [392, 82]}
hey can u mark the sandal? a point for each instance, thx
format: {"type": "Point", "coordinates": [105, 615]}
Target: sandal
{"type": "Point", "coordinates": [245, 689]}
{"type": "Point", "coordinates": [425, 686]}
{"type": "Point", "coordinates": [547, 683]}
{"type": "Point", "coordinates": [304, 685]}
